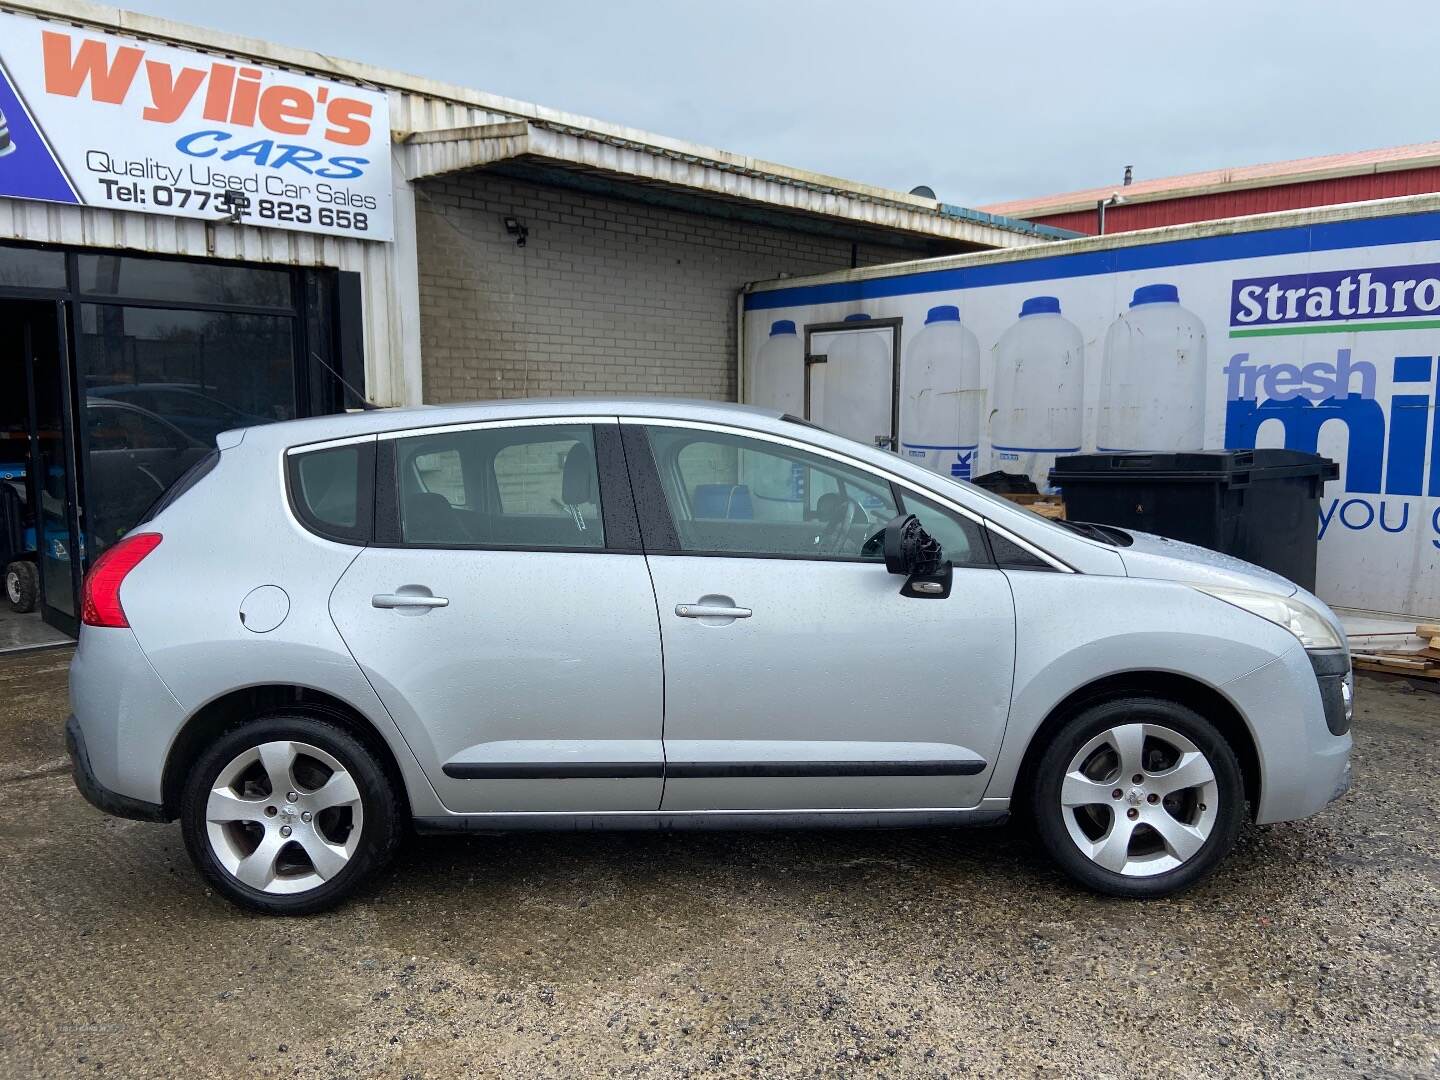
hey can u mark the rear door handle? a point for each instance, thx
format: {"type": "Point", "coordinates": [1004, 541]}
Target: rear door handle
{"type": "Point", "coordinates": [711, 611]}
{"type": "Point", "coordinates": [408, 600]}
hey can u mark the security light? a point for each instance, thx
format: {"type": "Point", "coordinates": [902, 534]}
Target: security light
{"type": "Point", "coordinates": [517, 230]}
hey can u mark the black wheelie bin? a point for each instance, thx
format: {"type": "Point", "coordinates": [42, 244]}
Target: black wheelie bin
{"type": "Point", "coordinates": [1261, 505]}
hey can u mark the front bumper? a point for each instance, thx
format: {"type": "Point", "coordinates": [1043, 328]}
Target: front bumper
{"type": "Point", "coordinates": [96, 793]}
{"type": "Point", "coordinates": [1304, 765]}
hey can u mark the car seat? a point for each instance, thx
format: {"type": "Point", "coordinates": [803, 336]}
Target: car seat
{"type": "Point", "coordinates": [430, 519]}
{"type": "Point", "coordinates": [578, 483]}
{"type": "Point", "coordinates": [728, 501]}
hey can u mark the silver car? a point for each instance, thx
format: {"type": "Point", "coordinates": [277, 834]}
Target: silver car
{"type": "Point", "coordinates": [644, 614]}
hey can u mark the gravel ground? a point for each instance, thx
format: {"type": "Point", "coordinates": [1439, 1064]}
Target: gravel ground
{"type": "Point", "coordinates": [1315, 951]}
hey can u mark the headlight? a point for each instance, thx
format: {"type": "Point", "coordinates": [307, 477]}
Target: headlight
{"type": "Point", "coordinates": [1307, 624]}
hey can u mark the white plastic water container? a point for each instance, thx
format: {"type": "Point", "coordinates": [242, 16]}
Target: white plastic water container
{"type": "Point", "coordinates": [1037, 407]}
{"type": "Point", "coordinates": [1152, 383]}
{"type": "Point", "coordinates": [777, 375]}
{"type": "Point", "coordinates": [942, 395]}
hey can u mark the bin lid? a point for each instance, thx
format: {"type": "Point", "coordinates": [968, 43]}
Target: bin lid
{"type": "Point", "coordinates": [1234, 468]}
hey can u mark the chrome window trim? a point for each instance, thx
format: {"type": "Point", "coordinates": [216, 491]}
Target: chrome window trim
{"type": "Point", "coordinates": [864, 466]}
{"type": "Point", "coordinates": [509, 422]}
{"type": "Point", "coordinates": [329, 444]}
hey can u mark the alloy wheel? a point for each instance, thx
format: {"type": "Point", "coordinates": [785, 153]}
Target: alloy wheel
{"type": "Point", "coordinates": [1139, 799]}
{"type": "Point", "coordinates": [284, 817]}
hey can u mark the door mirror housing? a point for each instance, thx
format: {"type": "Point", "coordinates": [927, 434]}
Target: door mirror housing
{"type": "Point", "coordinates": [913, 552]}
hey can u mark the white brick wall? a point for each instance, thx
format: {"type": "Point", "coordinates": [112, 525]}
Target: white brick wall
{"type": "Point", "coordinates": [607, 296]}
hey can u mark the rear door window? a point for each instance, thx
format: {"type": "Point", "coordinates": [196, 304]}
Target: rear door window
{"type": "Point", "coordinates": [529, 486]}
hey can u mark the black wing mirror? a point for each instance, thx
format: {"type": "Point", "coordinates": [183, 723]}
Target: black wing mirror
{"type": "Point", "coordinates": [913, 552]}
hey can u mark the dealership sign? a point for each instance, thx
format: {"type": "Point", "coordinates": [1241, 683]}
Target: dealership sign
{"type": "Point", "coordinates": [96, 120]}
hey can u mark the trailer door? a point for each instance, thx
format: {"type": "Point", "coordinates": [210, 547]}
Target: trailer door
{"type": "Point", "coordinates": [852, 375]}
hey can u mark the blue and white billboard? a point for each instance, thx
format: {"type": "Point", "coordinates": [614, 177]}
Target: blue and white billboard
{"type": "Point", "coordinates": [1323, 337]}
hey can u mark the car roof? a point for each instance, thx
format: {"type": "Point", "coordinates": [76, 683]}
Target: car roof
{"type": "Point", "coordinates": [343, 425]}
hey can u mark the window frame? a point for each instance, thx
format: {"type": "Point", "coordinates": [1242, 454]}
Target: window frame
{"type": "Point", "coordinates": [616, 503]}
{"type": "Point", "coordinates": [661, 536]}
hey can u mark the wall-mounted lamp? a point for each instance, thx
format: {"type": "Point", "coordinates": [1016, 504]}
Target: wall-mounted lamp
{"type": "Point", "coordinates": [233, 204]}
{"type": "Point", "coordinates": [517, 230]}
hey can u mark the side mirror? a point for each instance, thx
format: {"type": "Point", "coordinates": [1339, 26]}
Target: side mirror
{"type": "Point", "coordinates": [913, 552]}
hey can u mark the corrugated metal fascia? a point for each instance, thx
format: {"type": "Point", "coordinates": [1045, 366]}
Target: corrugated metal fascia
{"type": "Point", "coordinates": [440, 153]}
{"type": "Point", "coordinates": [1409, 204]}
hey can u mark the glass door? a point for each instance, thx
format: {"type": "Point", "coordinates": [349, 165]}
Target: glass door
{"type": "Point", "coordinates": [42, 557]}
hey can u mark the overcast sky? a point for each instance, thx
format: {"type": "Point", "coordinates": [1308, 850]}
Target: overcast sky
{"type": "Point", "coordinates": [982, 101]}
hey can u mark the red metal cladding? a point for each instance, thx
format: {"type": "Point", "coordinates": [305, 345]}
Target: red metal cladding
{"type": "Point", "coordinates": [1128, 217]}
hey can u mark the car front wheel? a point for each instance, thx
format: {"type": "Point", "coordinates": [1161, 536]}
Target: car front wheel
{"type": "Point", "coordinates": [1138, 797]}
{"type": "Point", "coordinates": [289, 814]}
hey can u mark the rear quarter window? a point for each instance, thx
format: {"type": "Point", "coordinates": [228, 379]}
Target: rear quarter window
{"type": "Point", "coordinates": [332, 491]}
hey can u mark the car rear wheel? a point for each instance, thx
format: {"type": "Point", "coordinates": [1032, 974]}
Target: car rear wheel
{"type": "Point", "coordinates": [289, 814]}
{"type": "Point", "coordinates": [1138, 797]}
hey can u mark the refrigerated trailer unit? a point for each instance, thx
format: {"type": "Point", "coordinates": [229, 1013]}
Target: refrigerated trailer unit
{"type": "Point", "coordinates": [1312, 330]}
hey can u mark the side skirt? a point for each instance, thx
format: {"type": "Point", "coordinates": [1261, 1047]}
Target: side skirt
{"type": "Point", "coordinates": [738, 820]}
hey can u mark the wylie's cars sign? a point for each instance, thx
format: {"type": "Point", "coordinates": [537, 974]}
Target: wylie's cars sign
{"type": "Point", "coordinates": [97, 120]}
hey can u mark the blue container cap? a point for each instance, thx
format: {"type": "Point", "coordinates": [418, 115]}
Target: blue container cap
{"type": "Point", "coordinates": [1040, 305]}
{"type": "Point", "coordinates": [1156, 294]}
{"type": "Point", "coordinates": [782, 326]}
{"type": "Point", "coordinates": [859, 317]}
{"type": "Point", "coordinates": [943, 313]}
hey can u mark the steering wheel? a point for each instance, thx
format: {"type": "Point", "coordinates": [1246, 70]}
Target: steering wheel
{"type": "Point", "coordinates": [836, 531]}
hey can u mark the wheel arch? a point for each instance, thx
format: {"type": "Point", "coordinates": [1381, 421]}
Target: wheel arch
{"type": "Point", "coordinates": [1181, 689]}
{"type": "Point", "coordinates": [230, 709]}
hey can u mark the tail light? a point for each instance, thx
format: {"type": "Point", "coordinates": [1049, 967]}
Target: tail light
{"type": "Point", "coordinates": [100, 600]}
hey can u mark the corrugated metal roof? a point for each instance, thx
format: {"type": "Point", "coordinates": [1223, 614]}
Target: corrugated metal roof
{"type": "Point", "coordinates": [423, 105]}
{"type": "Point", "coordinates": [1328, 166]}
{"type": "Point", "coordinates": [428, 154]}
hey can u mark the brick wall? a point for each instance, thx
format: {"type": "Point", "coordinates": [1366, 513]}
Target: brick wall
{"type": "Point", "coordinates": [608, 296]}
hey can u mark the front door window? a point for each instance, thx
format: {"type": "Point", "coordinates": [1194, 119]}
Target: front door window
{"type": "Point", "coordinates": [729, 494]}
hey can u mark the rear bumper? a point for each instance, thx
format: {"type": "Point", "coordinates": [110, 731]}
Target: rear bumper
{"type": "Point", "coordinates": [96, 793]}
{"type": "Point", "coordinates": [126, 714]}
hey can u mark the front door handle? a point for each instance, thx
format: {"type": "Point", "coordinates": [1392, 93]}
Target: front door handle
{"type": "Point", "coordinates": [408, 600]}
{"type": "Point", "coordinates": [711, 611]}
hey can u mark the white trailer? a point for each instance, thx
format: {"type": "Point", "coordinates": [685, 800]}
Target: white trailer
{"type": "Point", "coordinates": [1314, 330]}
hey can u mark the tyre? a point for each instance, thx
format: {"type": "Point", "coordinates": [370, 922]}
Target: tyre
{"type": "Point", "coordinates": [1138, 797]}
{"type": "Point", "coordinates": [22, 585]}
{"type": "Point", "coordinates": [289, 814]}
